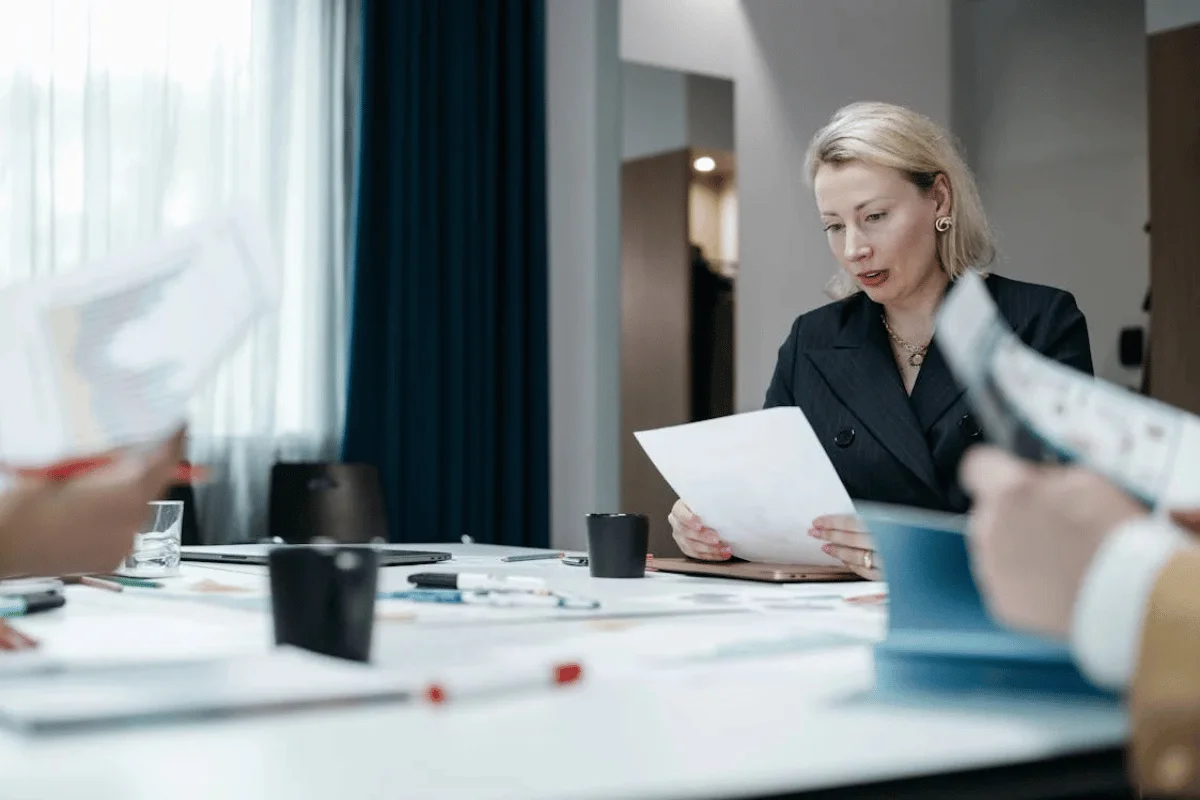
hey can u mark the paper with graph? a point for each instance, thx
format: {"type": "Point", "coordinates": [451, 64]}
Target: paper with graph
{"type": "Point", "coordinates": [759, 479]}
{"type": "Point", "coordinates": [1026, 402]}
{"type": "Point", "coordinates": [110, 354]}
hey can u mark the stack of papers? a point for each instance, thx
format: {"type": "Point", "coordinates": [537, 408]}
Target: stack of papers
{"type": "Point", "coordinates": [109, 356]}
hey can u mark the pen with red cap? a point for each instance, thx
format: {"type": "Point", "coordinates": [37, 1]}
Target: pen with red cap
{"type": "Point", "coordinates": [500, 680]}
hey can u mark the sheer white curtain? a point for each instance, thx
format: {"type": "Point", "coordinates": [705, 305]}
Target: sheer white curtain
{"type": "Point", "coordinates": [122, 119]}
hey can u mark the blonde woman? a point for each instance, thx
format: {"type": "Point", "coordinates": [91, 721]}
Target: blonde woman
{"type": "Point", "coordinates": [903, 219]}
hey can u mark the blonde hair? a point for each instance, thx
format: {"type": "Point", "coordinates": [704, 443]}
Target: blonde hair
{"type": "Point", "coordinates": [893, 136]}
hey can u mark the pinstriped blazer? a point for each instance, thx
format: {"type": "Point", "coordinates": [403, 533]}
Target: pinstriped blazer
{"type": "Point", "coordinates": [888, 446]}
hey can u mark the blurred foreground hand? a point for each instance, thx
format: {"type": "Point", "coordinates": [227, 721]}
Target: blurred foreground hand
{"type": "Point", "coordinates": [1034, 530]}
{"type": "Point", "coordinates": [86, 523]}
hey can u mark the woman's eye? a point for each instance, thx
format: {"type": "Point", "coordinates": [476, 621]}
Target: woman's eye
{"type": "Point", "coordinates": [834, 227]}
{"type": "Point", "coordinates": [876, 216]}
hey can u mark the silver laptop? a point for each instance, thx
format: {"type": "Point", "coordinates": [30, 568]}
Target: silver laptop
{"type": "Point", "coordinates": [257, 554]}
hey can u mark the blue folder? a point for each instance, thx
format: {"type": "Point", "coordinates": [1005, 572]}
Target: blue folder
{"type": "Point", "coordinates": [940, 635]}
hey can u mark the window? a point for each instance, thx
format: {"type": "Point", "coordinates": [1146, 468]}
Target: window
{"type": "Point", "coordinates": [122, 119]}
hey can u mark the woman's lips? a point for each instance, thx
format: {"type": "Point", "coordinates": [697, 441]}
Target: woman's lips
{"type": "Point", "coordinates": [873, 278]}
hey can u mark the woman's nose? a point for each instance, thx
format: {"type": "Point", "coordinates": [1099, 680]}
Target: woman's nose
{"type": "Point", "coordinates": [856, 248]}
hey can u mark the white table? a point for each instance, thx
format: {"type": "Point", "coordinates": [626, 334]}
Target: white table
{"type": "Point", "coordinates": [747, 727]}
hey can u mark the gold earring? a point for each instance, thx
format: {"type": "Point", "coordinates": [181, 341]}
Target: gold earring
{"type": "Point", "coordinates": [942, 224]}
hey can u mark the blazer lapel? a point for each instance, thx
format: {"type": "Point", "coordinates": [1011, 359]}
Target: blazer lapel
{"type": "Point", "coordinates": [935, 390]}
{"type": "Point", "coordinates": [860, 371]}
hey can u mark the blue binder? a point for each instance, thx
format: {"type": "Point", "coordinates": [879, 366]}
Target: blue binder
{"type": "Point", "coordinates": [940, 636]}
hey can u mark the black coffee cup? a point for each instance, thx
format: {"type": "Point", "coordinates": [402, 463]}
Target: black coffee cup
{"type": "Point", "coordinates": [617, 545]}
{"type": "Point", "coordinates": [323, 598]}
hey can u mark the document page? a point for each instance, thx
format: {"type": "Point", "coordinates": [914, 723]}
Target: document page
{"type": "Point", "coordinates": [287, 678]}
{"type": "Point", "coordinates": [109, 355]}
{"type": "Point", "coordinates": [759, 479]}
{"type": "Point", "coordinates": [1027, 401]}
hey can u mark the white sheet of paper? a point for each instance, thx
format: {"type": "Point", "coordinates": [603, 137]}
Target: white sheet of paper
{"type": "Point", "coordinates": [76, 697]}
{"type": "Point", "coordinates": [109, 355]}
{"type": "Point", "coordinates": [758, 479]}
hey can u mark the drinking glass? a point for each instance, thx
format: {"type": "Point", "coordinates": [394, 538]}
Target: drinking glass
{"type": "Point", "coordinates": [156, 545]}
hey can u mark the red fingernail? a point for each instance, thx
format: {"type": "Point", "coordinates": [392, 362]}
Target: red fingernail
{"type": "Point", "coordinates": [816, 534]}
{"type": "Point", "coordinates": [827, 548]}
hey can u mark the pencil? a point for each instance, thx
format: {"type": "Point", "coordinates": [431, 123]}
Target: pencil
{"type": "Point", "coordinates": [100, 583]}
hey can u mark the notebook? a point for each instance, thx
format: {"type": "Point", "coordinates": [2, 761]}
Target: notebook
{"type": "Point", "coordinates": [940, 635]}
{"type": "Point", "coordinates": [765, 572]}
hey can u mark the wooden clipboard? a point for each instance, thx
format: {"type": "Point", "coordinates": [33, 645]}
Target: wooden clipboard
{"type": "Point", "coordinates": [753, 570]}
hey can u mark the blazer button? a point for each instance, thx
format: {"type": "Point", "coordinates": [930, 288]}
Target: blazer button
{"type": "Point", "coordinates": [844, 437]}
{"type": "Point", "coordinates": [969, 427]}
{"type": "Point", "coordinates": [1173, 771]}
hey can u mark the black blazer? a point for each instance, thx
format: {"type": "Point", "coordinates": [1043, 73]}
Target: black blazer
{"type": "Point", "coordinates": [886, 445]}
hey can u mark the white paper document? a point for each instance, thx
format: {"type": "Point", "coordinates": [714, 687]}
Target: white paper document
{"type": "Point", "coordinates": [1028, 402]}
{"type": "Point", "coordinates": [61, 699]}
{"type": "Point", "coordinates": [109, 355]}
{"type": "Point", "coordinates": [758, 479]}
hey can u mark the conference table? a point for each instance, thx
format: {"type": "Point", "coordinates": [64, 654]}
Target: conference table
{"type": "Point", "coordinates": [772, 696]}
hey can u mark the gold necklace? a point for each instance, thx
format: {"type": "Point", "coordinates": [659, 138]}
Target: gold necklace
{"type": "Point", "coordinates": [916, 353]}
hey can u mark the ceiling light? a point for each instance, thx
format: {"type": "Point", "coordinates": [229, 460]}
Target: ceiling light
{"type": "Point", "coordinates": [704, 164]}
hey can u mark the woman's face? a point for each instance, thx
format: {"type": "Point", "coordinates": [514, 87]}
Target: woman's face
{"type": "Point", "coordinates": [880, 226]}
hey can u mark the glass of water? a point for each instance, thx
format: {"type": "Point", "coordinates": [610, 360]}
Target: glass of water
{"type": "Point", "coordinates": [156, 545]}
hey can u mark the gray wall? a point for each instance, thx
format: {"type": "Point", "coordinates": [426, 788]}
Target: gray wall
{"type": "Point", "coordinates": [703, 36]}
{"type": "Point", "coordinates": [583, 113]}
{"type": "Point", "coordinates": [1164, 15]}
{"type": "Point", "coordinates": [710, 112]}
{"type": "Point", "coordinates": [665, 109]}
{"type": "Point", "coordinates": [1050, 104]}
{"type": "Point", "coordinates": [793, 65]}
{"type": "Point", "coordinates": [654, 110]}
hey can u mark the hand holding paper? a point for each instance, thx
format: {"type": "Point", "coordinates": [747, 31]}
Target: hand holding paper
{"type": "Point", "coordinates": [1026, 400]}
{"type": "Point", "coordinates": [758, 479]}
{"type": "Point", "coordinates": [1034, 532]}
{"type": "Point", "coordinates": [107, 358]}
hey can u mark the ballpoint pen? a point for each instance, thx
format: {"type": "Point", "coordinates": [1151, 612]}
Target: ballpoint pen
{"type": "Point", "coordinates": [502, 680]}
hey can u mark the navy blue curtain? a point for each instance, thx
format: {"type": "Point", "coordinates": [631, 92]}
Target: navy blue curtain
{"type": "Point", "coordinates": [448, 387]}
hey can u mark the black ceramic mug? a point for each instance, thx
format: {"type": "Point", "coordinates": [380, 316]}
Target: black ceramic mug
{"type": "Point", "coordinates": [617, 545]}
{"type": "Point", "coordinates": [323, 598]}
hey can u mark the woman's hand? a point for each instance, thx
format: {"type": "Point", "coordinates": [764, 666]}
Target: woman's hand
{"type": "Point", "coordinates": [695, 540]}
{"type": "Point", "coordinates": [847, 540]}
{"type": "Point", "coordinates": [85, 523]}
